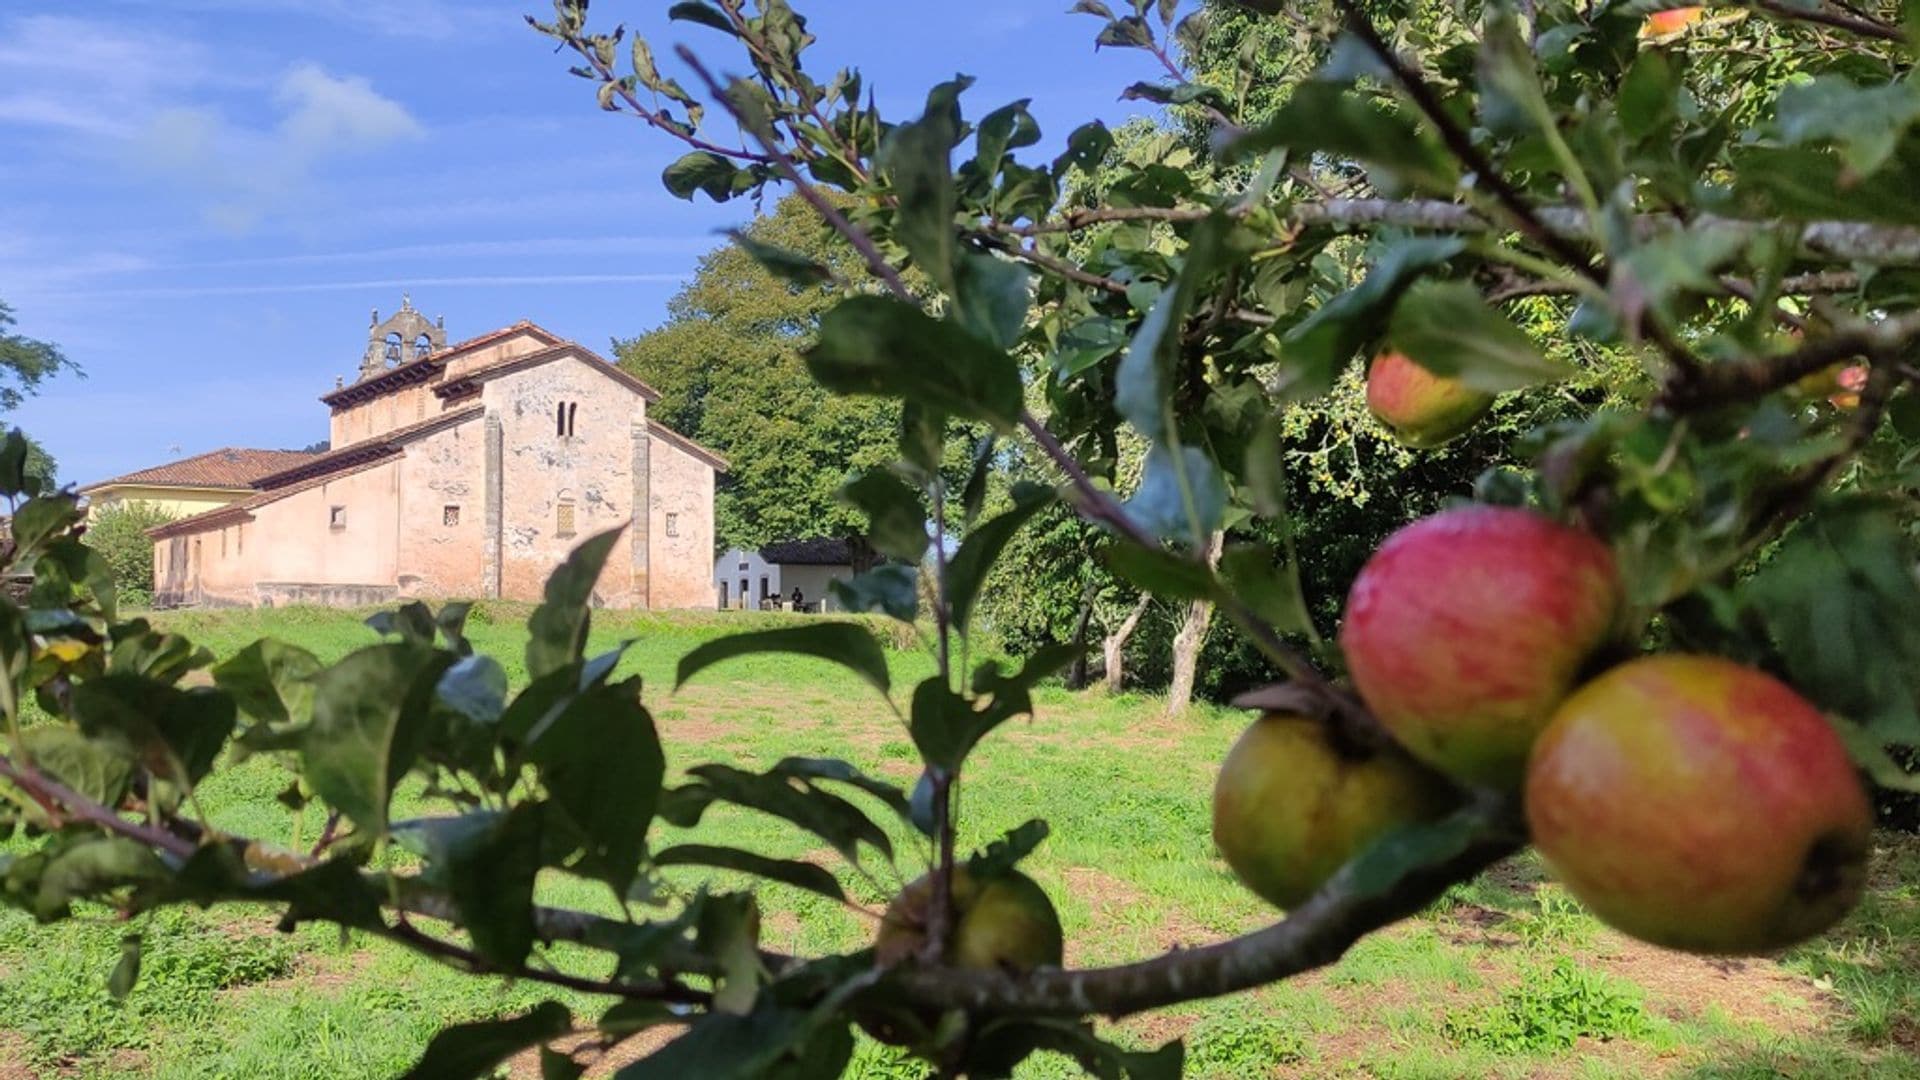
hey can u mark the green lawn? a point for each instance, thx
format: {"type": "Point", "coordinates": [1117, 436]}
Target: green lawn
{"type": "Point", "coordinates": [1506, 978]}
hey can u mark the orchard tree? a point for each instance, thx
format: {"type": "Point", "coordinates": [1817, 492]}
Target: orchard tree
{"type": "Point", "coordinates": [1683, 630]}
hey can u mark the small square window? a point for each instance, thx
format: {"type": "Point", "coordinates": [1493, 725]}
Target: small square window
{"type": "Point", "coordinates": [337, 517]}
{"type": "Point", "coordinates": [673, 524]}
{"type": "Point", "coordinates": [563, 519]}
{"type": "Point", "coordinates": [450, 515]}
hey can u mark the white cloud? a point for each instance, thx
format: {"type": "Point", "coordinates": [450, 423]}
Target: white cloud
{"type": "Point", "coordinates": [245, 172]}
{"type": "Point", "coordinates": [91, 77]}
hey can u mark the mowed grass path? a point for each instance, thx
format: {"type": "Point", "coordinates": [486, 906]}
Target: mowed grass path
{"type": "Point", "coordinates": [1506, 978]}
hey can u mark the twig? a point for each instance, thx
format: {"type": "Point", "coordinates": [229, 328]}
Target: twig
{"type": "Point", "coordinates": [861, 242]}
{"type": "Point", "coordinates": [653, 119]}
{"type": "Point", "coordinates": [1313, 935]}
{"type": "Point", "coordinates": [405, 933]}
{"type": "Point", "coordinates": [1852, 24]}
{"type": "Point", "coordinates": [1745, 380]}
{"type": "Point", "coordinates": [57, 798]}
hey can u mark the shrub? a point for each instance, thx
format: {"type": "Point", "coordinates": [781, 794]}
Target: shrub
{"type": "Point", "coordinates": [119, 533]}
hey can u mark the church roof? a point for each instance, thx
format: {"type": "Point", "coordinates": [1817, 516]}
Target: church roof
{"type": "Point", "coordinates": [471, 381]}
{"type": "Point", "coordinates": [426, 367]}
{"type": "Point", "coordinates": [318, 469]}
{"type": "Point", "coordinates": [228, 467]}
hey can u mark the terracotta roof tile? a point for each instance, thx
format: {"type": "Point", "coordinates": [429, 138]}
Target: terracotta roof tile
{"type": "Point", "coordinates": [231, 467]}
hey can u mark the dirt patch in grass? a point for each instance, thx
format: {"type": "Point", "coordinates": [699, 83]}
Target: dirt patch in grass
{"type": "Point", "coordinates": [14, 1049]}
{"type": "Point", "coordinates": [1684, 986]}
{"type": "Point", "coordinates": [526, 1064]}
{"type": "Point", "coordinates": [311, 973]}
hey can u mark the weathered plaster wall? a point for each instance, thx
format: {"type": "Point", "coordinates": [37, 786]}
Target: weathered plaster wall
{"type": "Point", "coordinates": [506, 348]}
{"type": "Point", "coordinates": [442, 472]}
{"type": "Point", "coordinates": [591, 470]}
{"type": "Point", "coordinates": [680, 558]}
{"type": "Point", "coordinates": [179, 502]}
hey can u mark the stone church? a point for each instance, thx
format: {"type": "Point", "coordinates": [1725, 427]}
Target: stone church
{"type": "Point", "coordinates": [460, 471]}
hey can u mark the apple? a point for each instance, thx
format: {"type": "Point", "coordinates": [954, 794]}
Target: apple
{"type": "Point", "coordinates": [1700, 805]}
{"type": "Point", "coordinates": [1004, 922]}
{"type": "Point", "coordinates": [1466, 628]}
{"type": "Point", "coordinates": [1672, 21]}
{"type": "Point", "coordinates": [1423, 410]}
{"type": "Point", "coordinates": [1291, 807]}
{"type": "Point", "coordinates": [1840, 384]}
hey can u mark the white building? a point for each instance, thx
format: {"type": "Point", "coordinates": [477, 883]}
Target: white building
{"type": "Point", "coordinates": [751, 579]}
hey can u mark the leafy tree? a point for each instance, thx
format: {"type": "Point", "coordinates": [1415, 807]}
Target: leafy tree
{"type": "Point", "coordinates": [1691, 609]}
{"type": "Point", "coordinates": [119, 533]}
{"type": "Point", "coordinates": [728, 368]}
{"type": "Point", "coordinates": [25, 362]}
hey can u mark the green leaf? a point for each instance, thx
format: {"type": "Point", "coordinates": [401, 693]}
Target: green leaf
{"type": "Point", "coordinates": [369, 719]}
{"type": "Point", "coordinates": [601, 763]}
{"type": "Point", "coordinates": [704, 171]}
{"type": "Point", "coordinates": [271, 682]}
{"type": "Point", "coordinates": [839, 771]}
{"type": "Point", "coordinates": [1185, 93]}
{"type": "Point", "coordinates": [89, 867]}
{"type": "Point", "coordinates": [789, 266]}
{"type": "Point", "coordinates": [846, 644]}
{"type": "Point", "coordinates": [1086, 343]}
{"type": "Point", "coordinates": [487, 863]}
{"type": "Point", "coordinates": [785, 795]}
{"type": "Point", "coordinates": [411, 622]}
{"type": "Point", "coordinates": [1008, 127]}
{"type": "Point", "coordinates": [333, 891]}
{"type": "Point", "coordinates": [1863, 123]}
{"type": "Point", "coordinates": [728, 931]}
{"type": "Point", "coordinates": [1268, 585]}
{"type": "Point", "coordinates": [177, 732]}
{"type": "Point", "coordinates": [1839, 598]}
{"type": "Point", "coordinates": [1180, 495]}
{"type": "Point", "coordinates": [98, 767]}
{"type": "Point", "coordinates": [917, 160]}
{"type": "Point", "coordinates": [555, 1065]}
{"type": "Point", "coordinates": [1140, 393]}
{"type": "Point", "coordinates": [941, 723]}
{"type": "Point", "coordinates": [1646, 100]}
{"type": "Point", "coordinates": [1161, 572]}
{"type": "Point", "coordinates": [1807, 185]}
{"type": "Point", "coordinates": [800, 875]}
{"type": "Point", "coordinates": [879, 346]}
{"type": "Point", "coordinates": [1126, 32]}
{"type": "Point", "coordinates": [1323, 117]}
{"type": "Point", "coordinates": [1511, 99]}
{"type": "Point", "coordinates": [1005, 853]}
{"type": "Point", "coordinates": [1450, 331]}
{"type": "Point", "coordinates": [1379, 868]}
{"type": "Point", "coordinates": [1319, 347]}
{"type": "Point", "coordinates": [1087, 148]}
{"type": "Point", "coordinates": [990, 299]}
{"type": "Point", "coordinates": [894, 591]}
{"type": "Point", "coordinates": [559, 625]}
{"type": "Point", "coordinates": [981, 549]}
{"type": "Point", "coordinates": [474, 687]}
{"type": "Point", "coordinates": [1265, 473]}
{"type": "Point", "coordinates": [126, 971]}
{"type": "Point", "coordinates": [474, 1051]}
{"type": "Point", "coordinates": [723, 1046]}
{"type": "Point", "coordinates": [896, 517]}
{"type": "Point", "coordinates": [1003, 1043]}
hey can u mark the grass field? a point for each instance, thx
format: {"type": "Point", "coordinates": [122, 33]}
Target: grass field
{"type": "Point", "coordinates": [1505, 978]}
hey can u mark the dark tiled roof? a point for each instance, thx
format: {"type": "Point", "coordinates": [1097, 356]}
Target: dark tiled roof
{"type": "Point", "coordinates": [319, 469]}
{"type": "Point", "coordinates": [819, 551]}
{"type": "Point", "coordinates": [426, 367]}
{"type": "Point", "coordinates": [232, 467]}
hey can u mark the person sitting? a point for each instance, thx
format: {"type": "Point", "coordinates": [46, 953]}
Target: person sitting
{"type": "Point", "coordinates": [799, 602]}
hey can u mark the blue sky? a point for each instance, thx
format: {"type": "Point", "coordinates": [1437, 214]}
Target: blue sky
{"type": "Point", "coordinates": [202, 200]}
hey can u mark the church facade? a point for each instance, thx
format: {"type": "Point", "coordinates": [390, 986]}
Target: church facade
{"type": "Point", "coordinates": [460, 472]}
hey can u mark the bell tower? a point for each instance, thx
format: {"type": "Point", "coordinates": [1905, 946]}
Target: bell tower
{"type": "Point", "coordinates": [406, 335]}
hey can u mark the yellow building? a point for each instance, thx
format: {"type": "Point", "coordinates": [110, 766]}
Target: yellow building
{"type": "Point", "coordinates": [196, 484]}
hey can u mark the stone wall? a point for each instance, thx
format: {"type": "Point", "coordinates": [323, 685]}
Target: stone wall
{"type": "Point", "coordinates": [443, 519]}
{"type": "Point", "coordinates": [547, 477]}
{"type": "Point", "coordinates": [680, 558]}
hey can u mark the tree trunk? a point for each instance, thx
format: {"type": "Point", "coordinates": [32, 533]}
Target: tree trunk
{"type": "Point", "coordinates": [1186, 643]}
{"type": "Point", "coordinates": [1114, 646]}
{"type": "Point", "coordinates": [1077, 673]}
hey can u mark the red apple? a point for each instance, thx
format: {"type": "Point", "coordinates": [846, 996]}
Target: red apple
{"type": "Point", "coordinates": [1423, 410]}
{"type": "Point", "coordinates": [1700, 805]}
{"type": "Point", "coordinates": [1465, 629]}
{"type": "Point", "coordinates": [1671, 21]}
{"type": "Point", "coordinates": [1290, 807]}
